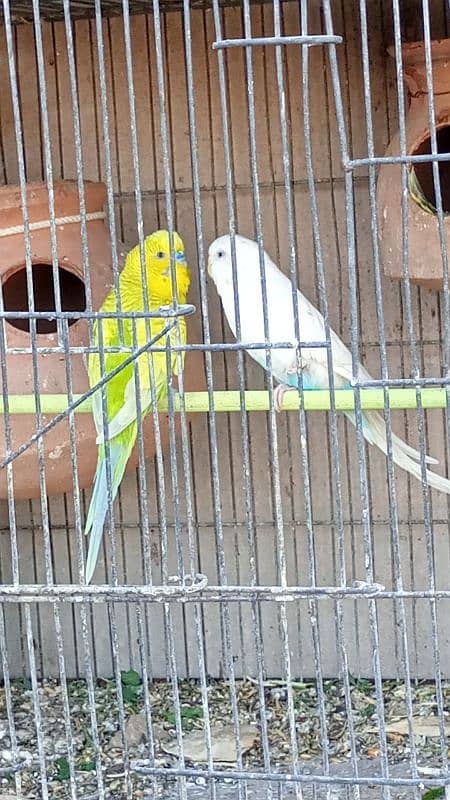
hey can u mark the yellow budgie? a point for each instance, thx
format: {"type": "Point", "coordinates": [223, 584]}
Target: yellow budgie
{"type": "Point", "coordinates": [121, 389]}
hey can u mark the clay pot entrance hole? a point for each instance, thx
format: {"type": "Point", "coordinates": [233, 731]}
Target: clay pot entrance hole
{"type": "Point", "coordinates": [15, 295]}
{"type": "Point", "coordinates": [424, 171]}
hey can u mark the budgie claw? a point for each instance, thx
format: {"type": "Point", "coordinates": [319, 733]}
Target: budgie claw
{"type": "Point", "coordinates": [278, 394]}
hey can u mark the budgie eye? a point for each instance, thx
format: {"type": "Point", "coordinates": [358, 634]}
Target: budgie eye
{"type": "Point", "coordinates": [220, 253]}
{"type": "Point", "coordinates": [160, 254]}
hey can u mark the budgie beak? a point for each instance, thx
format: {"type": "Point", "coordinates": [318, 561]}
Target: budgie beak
{"type": "Point", "coordinates": [209, 267]}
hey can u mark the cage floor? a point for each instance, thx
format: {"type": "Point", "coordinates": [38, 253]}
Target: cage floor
{"type": "Point", "coordinates": [163, 725]}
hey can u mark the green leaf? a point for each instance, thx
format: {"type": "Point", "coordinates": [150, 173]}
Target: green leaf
{"type": "Point", "coordinates": [130, 694]}
{"type": "Point", "coordinates": [193, 712]}
{"type": "Point", "coordinates": [187, 713]}
{"type": "Point", "coordinates": [130, 678]}
{"type": "Point", "coordinates": [433, 794]}
{"type": "Point", "coordinates": [87, 736]}
{"type": "Point", "coordinates": [86, 766]}
{"type": "Point", "coordinates": [169, 716]}
{"type": "Point", "coordinates": [62, 769]}
{"type": "Point", "coordinates": [23, 684]}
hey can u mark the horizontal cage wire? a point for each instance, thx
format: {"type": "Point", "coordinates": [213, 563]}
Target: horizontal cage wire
{"type": "Point", "coordinates": [224, 568]}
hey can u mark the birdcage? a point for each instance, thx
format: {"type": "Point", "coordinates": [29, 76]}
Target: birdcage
{"type": "Point", "coordinates": [268, 615]}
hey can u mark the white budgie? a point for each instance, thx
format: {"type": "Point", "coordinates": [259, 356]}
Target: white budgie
{"type": "Point", "coordinates": [313, 361]}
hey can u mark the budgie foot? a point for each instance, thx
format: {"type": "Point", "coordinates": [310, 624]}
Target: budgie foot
{"type": "Point", "coordinates": [278, 394]}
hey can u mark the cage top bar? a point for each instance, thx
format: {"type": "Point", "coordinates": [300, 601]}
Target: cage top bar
{"type": "Point", "coordinates": [53, 10]}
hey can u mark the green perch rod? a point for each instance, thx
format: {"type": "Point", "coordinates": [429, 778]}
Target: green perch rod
{"type": "Point", "coordinates": [314, 400]}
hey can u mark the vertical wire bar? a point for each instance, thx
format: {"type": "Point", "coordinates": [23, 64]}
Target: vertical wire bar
{"type": "Point", "coordinates": [147, 578]}
{"type": "Point", "coordinates": [406, 284]}
{"type": "Point", "coordinates": [446, 302]}
{"type": "Point", "coordinates": [181, 782]}
{"type": "Point", "coordinates": [140, 412]}
{"type": "Point", "coordinates": [245, 438]}
{"type": "Point", "coordinates": [170, 638]}
{"type": "Point", "coordinates": [244, 426]}
{"type": "Point", "coordinates": [85, 631]}
{"type": "Point", "coordinates": [428, 525]}
{"type": "Point", "coordinates": [108, 162]}
{"type": "Point", "coordinates": [9, 701]}
{"type": "Point", "coordinates": [174, 460]}
{"type": "Point", "coordinates": [110, 516]}
{"type": "Point", "coordinates": [143, 650]}
{"type": "Point", "coordinates": [8, 448]}
{"type": "Point", "coordinates": [29, 276]}
{"type": "Point", "coordinates": [35, 377]}
{"type": "Point", "coordinates": [86, 274]}
{"type": "Point", "coordinates": [193, 557]}
{"type": "Point", "coordinates": [140, 231]}
{"type": "Point", "coordinates": [273, 439]}
{"type": "Point", "coordinates": [62, 337]}
{"type": "Point", "coordinates": [338, 507]}
{"type": "Point", "coordinates": [104, 323]}
{"type": "Point", "coordinates": [114, 577]}
{"type": "Point", "coordinates": [78, 157]}
{"type": "Point", "coordinates": [392, 494]}
{"type": "Point", "coordinates": [243, 417]}
{"type": "Point", "coordinates": [36, 704]}
{"type": "Point", "coordinates": [169, 634]}
{"type": "Point", "coordinates": [48, 168]}
{"type": "Point", "coordinates": [121, 709]}
{"type": "Point", "coordinates": [365, 507]}
{"type": "Point", "coordinates": [312, 604]}
{"type": "Point", "coordinates": [288, 187]}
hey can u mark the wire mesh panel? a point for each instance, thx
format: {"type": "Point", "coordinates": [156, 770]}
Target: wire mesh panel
{"type": "Point", "coordinates": [268, 612]}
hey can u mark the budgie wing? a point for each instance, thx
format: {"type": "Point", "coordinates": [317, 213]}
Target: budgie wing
{"type": "Point", "coordinates": [128, 412]}
{"type": "Point", "coordinates": [313, 328]}
{"type": "Point", "coordinates": [95, 374]}
{"type": "Point", "coordinates": [115, 388]}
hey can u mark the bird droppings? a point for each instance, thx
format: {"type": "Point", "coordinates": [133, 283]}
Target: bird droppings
{"type": "Point", "coordinates": [56, 453]}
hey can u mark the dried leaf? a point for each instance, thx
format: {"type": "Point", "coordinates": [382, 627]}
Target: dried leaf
{"type": "Point", "coordinates": [395, 738]}
{"type": "Point", "coordinates": [422, 726]}
{"type": "Point", "coordinates": [373, 752]}
{"type": "Point", "coordinates": [135, 732]}
{"type": "Point", "coordinates": [223, 744]}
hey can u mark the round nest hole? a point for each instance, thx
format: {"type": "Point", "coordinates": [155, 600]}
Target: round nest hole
{"type": "Point", "coordinates": [15, 296]}
{"type": "Point", "coordinates": [423, 173]}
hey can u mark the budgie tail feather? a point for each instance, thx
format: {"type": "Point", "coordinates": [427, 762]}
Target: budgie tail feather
{"type": "Point", "coordinates": [120, 452]}
{"type": "Point", "coordinates": [405, 456]}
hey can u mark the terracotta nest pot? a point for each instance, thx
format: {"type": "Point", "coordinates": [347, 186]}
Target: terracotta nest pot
{"type": "Point", "coordinates": [425, 259]}
{"type": "Point", "coordinates": [52, 367]}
